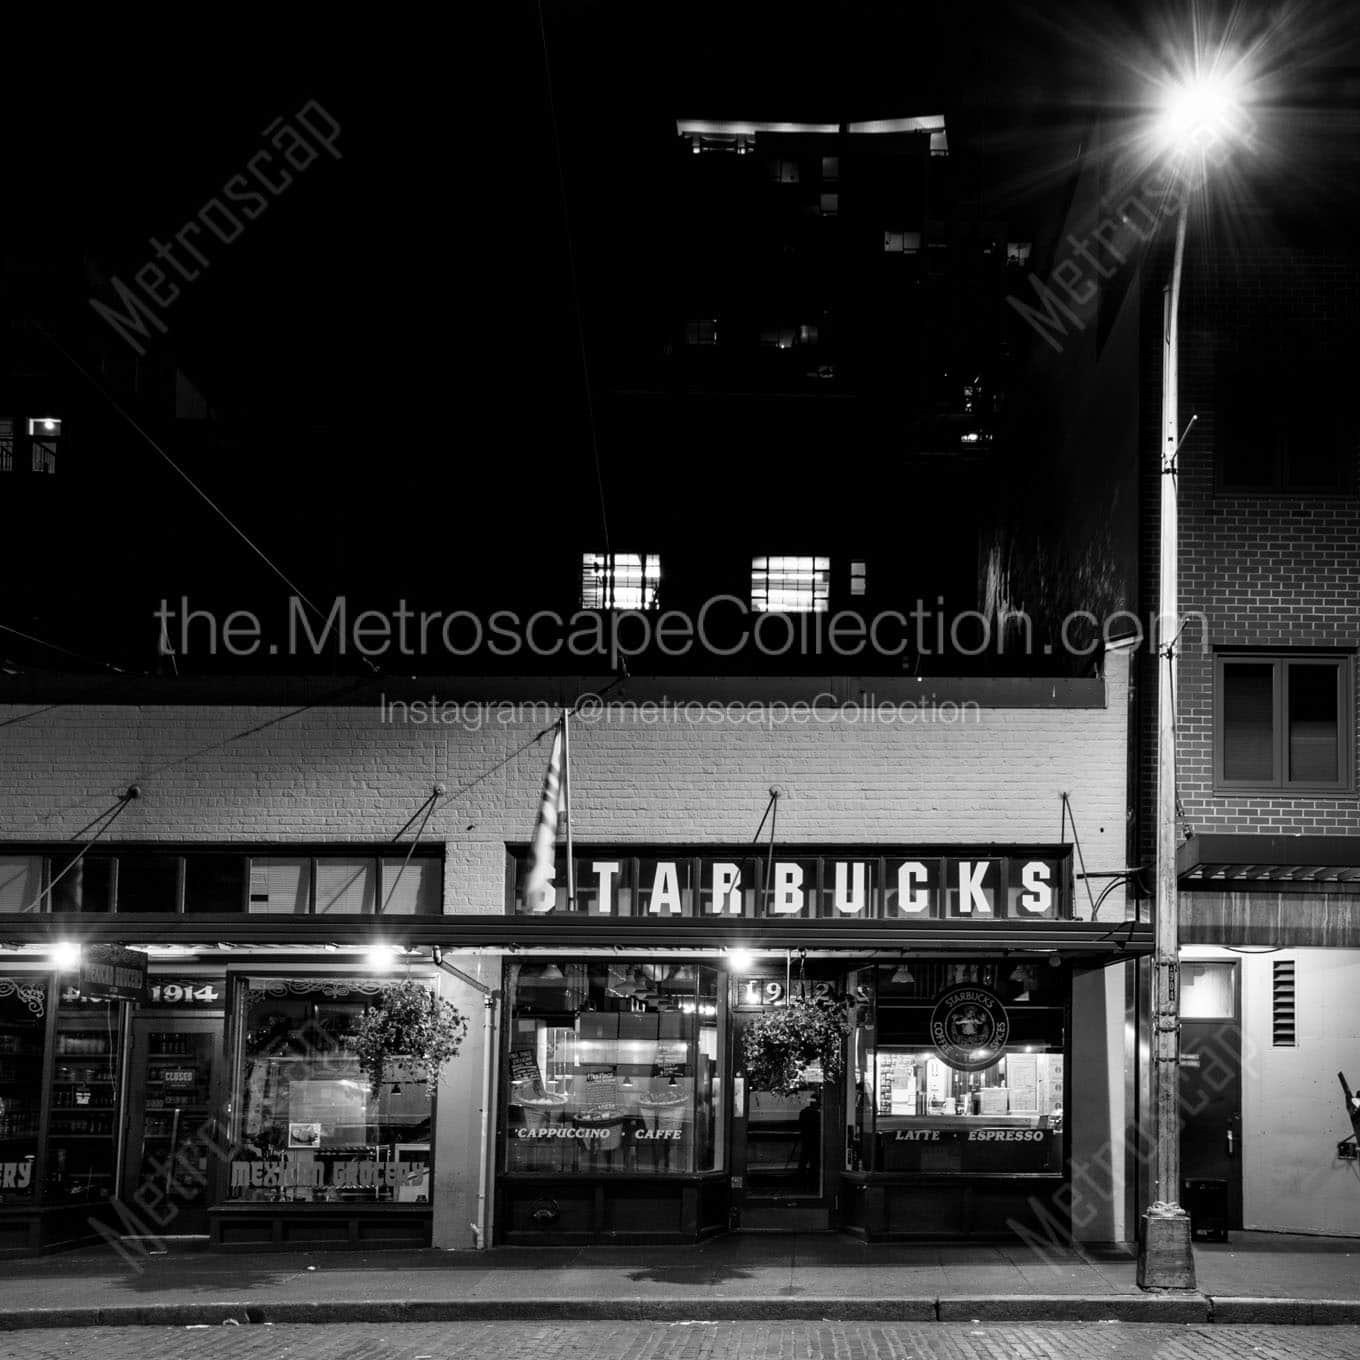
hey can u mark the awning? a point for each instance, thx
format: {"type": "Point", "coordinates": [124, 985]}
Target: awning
{"type": "Point", "coordinates": [1238, 862]}
{"type": "Point", "coordinates": [1094, 941]}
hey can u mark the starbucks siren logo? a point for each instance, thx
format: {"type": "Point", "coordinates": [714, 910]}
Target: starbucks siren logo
{"type": "Point", "coordinates": [969, 1027]}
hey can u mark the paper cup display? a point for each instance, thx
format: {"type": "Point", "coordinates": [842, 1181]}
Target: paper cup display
{"type": "Point", "coordinates": [537, 1108]}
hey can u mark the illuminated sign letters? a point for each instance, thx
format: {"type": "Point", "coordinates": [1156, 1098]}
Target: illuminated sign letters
{"type": "Point", "coordinates": [904, 885]}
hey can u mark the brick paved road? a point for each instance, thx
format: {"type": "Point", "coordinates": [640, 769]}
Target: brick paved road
{"type": "Point", "coordinates": [686, 1341]}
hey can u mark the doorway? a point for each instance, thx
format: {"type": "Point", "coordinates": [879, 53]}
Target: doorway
{"type": "Point", "coordinates": [780, 1171]}
{"type": "Point", "coordinates": [175, 1067]}
{"type": "Point", "coordinates": [1211, 1085]}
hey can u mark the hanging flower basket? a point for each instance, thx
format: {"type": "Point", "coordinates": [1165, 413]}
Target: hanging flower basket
{"type": "Point", "coordinates": [408, 1021]}
{"type": "Point", "coordinates": [783, 1042]}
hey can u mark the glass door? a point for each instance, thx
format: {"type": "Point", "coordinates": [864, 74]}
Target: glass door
{"type": "Point", "coordinates": [175, 1066]}
{"type": "Point", "coordinates": [83, 1120]}
{"type": "Point", "coordinates": [780, 1178]}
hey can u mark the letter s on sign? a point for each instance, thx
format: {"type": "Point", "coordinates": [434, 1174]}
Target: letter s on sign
{"type": "Point", "coordinates": [1038, 895]}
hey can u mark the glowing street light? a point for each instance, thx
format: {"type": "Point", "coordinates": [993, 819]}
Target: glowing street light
{"type": "Point", "coordinates": [1198, 114]}
{"type": "Point", "coordinates": [1200, 111]}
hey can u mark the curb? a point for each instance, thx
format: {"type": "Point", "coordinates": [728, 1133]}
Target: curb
{"type": "Point", "coordinates": [1145, 1308]}
{"type": "Point", "coordinates": [1296, 1312]}
{"type": "Point", "coordinates": [958, 1308]}
{"type": "Point", "coordinates": [1167, 1308]}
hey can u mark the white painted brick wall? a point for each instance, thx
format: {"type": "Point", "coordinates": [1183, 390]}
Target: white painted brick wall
{"type": "Point", "coordinates": [235, 774]}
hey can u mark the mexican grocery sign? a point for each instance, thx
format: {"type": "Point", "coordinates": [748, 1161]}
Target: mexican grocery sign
{"type": "Point", "coordinates": [905, 885]}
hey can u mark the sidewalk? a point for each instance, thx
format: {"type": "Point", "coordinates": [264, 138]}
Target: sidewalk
{"type": "Point", "coordinates": [1257, 1277]}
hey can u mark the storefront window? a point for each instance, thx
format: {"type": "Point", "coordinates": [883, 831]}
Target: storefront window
{"type": "Point", "coordinates": [82, 1131]}
{"type": "Point", "coordinates": [23, 1028]}
{"type": "Point", "coordinates": [967, 1068]}
{"type": "Point", "coordinates": [310, 1129]}
{"type": "Point", "coordinates": [613, 1067]}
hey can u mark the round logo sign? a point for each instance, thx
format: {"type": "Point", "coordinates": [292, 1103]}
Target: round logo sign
{"type": "Point", "coordinates": [969, 1027]}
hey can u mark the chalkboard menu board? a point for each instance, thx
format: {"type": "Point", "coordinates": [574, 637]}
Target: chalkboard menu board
{"type": "Point", "coordinates": [524, 1067]}
{"type": "Point", "coordinates": [671, 1060]}
{"type": "Point", "coordinates": [601, 1091]}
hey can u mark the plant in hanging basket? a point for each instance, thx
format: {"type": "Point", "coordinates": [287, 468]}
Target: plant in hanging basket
{"type": "Point", "coordinates": [782, 1042]}
{"type": "Point", "coordinates": [410, 1022]}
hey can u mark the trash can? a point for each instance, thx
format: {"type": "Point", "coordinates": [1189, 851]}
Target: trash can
{"type": "Point", "coordinates": [1206, 1201]}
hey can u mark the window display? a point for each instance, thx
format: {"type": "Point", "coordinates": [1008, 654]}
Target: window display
{"type": "Point", "coordinates": [957, 1067]}
{"type": "Point", "coordinates": [612, 1067]}
{"type": "Point", "coordinates": [23, 1028]}
{"type": "Point", "coordinates": [310, 1128]}
{"type": "Point", "coordinates": [84, 1121]}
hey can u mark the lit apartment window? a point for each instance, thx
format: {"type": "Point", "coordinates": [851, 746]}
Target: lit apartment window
{"type": "Point", "coordinates": [790, 585]}
{"type": "Point", "coordinates": [1282, 722]}
{"type": "Point", "coordinates": [829, 204]}
{"type": "Point", "coordinates": [784, 171]}
{"type": "Point", "coordinates": [703, 332]}
{"type": "Point", "coordinates": [620, 580]}
{"type": "Point", "coordinates": [857, 578]}
{"type": "Point", "coordinates": [901, 242]}
{"type": "Point", "coordinates": [786, 337]}
{"type": "Point", "coordinates": [6, 444]}
{"type": "Point", "coordinates": [1017, 253]}
{"type": "Point", "coordinates": [831, 167]}
{"type": "Point", "coordinates": [44, 431]}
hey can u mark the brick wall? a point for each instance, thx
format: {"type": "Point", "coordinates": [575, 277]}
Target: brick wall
{"type": "Point", "coordinates": [277, 775]}
{"type": "Point", "coordinates": [1273, 572]}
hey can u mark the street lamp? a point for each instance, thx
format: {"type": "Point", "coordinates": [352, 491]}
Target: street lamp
{"type": "Point", "coordinates": [1199, 117]}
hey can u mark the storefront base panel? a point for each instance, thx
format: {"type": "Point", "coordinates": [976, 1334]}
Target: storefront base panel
{"type": "Point", "coordinates": [313, 1227]}
{"type": "Point", "coordinates": [637, 1210]}
{"type": "Point", "coordinates": [895, 1210]}
{"type": "Point", "coordinates": [33, 1231]}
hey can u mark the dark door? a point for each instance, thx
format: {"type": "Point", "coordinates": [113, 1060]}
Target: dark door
{"type": "Point", "coordinates": [174, 1069]}
{"type": "Point", "coordinates": [782, 1180]}
{"type": "Point", "coordinates": [1211, 1085]}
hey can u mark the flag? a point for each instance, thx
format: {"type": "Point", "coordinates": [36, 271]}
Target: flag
{"type": "Point", "coordinates": [540, 893]}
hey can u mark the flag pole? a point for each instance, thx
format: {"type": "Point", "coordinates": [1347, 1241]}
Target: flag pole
{"type": "Point", "coordinates": [566, 810]}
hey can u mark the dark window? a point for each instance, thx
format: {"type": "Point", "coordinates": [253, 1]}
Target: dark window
{"type": "Point", "coordinates": [1282, 427]}
{"type": "Point", "coordinates": [1282, 722]}
{"type": "Point", "coordinates": [218, 880]}
{"type": "Point", "coordinates": [84, 885]}
{"type": "Point", "coordinates": [148, 882]}
{"type": "Point", "coordinates": [214, 883]}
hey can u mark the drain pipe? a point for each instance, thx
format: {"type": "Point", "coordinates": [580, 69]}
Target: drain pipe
{"type": "Point", "coordinates": [491, 1000]}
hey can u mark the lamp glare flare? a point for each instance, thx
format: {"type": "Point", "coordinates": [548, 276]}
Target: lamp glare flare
{"type": "Point", "coordinates": [381, 958]}
{"type": "Point", "coordinates": [1199, 111]}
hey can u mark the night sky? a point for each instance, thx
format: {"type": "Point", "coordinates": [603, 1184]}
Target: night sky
{"type": "Point", "coordinates": [393, 346]}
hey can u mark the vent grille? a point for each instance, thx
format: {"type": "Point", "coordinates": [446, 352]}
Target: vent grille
{"type": "Point", "coordinates": [1282, 1000]}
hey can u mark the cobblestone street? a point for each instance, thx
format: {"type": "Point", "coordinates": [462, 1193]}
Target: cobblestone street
{"type": "Point", "coordinates": [687, 1341]}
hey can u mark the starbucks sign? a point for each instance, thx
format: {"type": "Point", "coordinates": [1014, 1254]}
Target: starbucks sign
{"type": "Point", "coordinates": [969, 1027]}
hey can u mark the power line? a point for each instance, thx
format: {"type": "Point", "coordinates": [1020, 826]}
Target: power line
{"type": "Point", "coordinates": [65, 651]}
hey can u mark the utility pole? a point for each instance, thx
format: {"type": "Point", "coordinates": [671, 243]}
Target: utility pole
{"type": "Point", "coordinates": [1165, 1258]}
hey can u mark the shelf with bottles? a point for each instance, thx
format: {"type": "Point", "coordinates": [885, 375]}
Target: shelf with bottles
{"type": "Point", "coordinates": [173, 1045]}
{"type": "Point", "coordinates": [73, 1125]}
{"type": "Point", "coordinates": [82, 1043]}
{"type": "Point", "coordinates": [20, 1043]}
